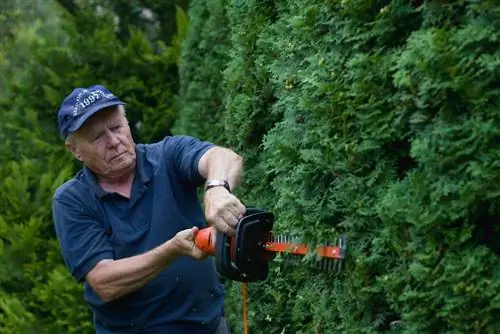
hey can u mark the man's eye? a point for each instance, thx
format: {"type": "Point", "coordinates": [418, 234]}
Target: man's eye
{"type": "Point", "coordinates": [115, 128]}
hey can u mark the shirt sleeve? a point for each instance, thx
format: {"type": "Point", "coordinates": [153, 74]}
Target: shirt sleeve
{"type": "Point", "coordinates": [185, 152]}
{"type": "Point", "coordinates": [82, 239]}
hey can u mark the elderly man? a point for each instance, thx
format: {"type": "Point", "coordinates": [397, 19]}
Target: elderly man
{"type": "Point", "coordinates": [126, 222]}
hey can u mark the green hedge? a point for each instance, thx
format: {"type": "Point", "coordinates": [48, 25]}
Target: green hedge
{"type": "Point", "coordinates": [377, 119]}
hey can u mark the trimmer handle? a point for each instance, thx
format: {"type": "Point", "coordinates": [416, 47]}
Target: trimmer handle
{"type": "Point", "coordinates": [205, 240]}
{"type": "Point", "coordinates": [242, 257]}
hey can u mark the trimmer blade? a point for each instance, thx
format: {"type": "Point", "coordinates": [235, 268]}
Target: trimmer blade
{"type": "Point", "coordinates": [334, 264]}
{"type": "Point", "coordinates": [328, 258]}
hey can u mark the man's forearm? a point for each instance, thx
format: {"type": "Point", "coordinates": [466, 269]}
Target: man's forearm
{"type": "Point", "coordinates": [112, 279]}
{"type": "Point", "coordinates": [223, 164]}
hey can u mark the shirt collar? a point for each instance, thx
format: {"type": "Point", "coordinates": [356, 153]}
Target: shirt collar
{"type": "Point", "coordinates": [143, 174]}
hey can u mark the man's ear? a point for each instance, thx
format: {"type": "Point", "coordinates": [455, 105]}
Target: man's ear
{"type": "Point", "coordinates": [73, 148]}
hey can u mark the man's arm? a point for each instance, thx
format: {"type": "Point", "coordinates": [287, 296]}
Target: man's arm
{"type": "Point", "coordinates": [89, 255]}
{"type": "Point", "coordinates": [222, 208]}
{"type": "Point", "coordinates": [220, 163]}
{"type": "Point", "coordinates": [112, 279]}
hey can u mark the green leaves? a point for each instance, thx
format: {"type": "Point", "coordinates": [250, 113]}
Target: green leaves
{"type": "Point", "coordinates": [46, 55]}
{"type": "Point", "coordinates": [376, 120]}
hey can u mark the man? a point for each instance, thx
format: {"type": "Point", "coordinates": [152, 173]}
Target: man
{"type": "Point", "coordinates": [126, 222]}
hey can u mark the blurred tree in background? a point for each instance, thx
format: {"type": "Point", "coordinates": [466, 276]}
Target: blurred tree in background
{"type": "Point", "coordinates": [47, 49]}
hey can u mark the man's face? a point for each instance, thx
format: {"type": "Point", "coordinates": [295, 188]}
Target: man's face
{"type": "Point", "coordinates": [104, 144]}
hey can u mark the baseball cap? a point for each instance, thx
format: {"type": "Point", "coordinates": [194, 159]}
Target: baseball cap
{"type": "Point", "coordinates": [81, 104]}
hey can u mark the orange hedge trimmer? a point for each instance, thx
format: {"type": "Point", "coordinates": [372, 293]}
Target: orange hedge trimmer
{"type": "Point", "coordinates": [246, 256]}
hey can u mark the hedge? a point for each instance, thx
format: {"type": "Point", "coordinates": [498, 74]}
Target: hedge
{"type": "Point", "coordinates": [377, 119]}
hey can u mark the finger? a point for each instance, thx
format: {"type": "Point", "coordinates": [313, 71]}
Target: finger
{"type": "Point", "coordinates": [199, 254]}
{"type": "Point", "coordinates": [229, 218]}
{"type": "Point", "coordinates": [222, 226]}
{"type": "Point", "coordinates": [241, 209]}
{"type": "Point", "coordinates": [190, 234]}
{"type": "Point", "coordinates": [237, 208]}
{"type": "Point", "coordinates": [233, 209]}
{"type": "Point", "coordinates": [183, 234]}
{"type": "Point", "coordinates": [214, 212]}
{"type": "Point", "coordinates": [230, 231]}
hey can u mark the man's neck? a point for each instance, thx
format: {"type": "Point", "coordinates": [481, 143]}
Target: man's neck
{"type": "Point", "coordinates": [121, 184]}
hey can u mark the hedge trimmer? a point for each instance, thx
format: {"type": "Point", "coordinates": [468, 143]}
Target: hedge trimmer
{"type": "Point", "coordinates": [246, 256]}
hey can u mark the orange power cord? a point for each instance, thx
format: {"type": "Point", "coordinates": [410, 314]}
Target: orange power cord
{"type": "Point", "coordinates": [205, 240]}
{"type": "Point", "coordinates": [244, 293]}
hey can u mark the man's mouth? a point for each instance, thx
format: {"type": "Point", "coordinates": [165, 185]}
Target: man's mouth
{"type": "Point", "coordinates": [117, 156]}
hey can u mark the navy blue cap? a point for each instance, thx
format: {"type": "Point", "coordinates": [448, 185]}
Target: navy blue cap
{"type": "Point", "coordinates": [81, 104]}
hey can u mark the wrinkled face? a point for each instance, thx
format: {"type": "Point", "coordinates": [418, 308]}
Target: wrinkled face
{"type": "Point", "coordinates": [105, 145]}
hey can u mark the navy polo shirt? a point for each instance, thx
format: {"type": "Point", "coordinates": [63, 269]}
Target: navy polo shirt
{"type": "Point", "coordinates": [92, 224]}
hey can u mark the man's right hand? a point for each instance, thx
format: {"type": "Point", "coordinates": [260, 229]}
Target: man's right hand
{"type": "Point", "coordinates": [185, 245]}
{"type": "Point", "coordinates": [112, 279]}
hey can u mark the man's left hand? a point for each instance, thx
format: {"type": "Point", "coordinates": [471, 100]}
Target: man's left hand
{"type": "Point", "coordinates": [223, 210]}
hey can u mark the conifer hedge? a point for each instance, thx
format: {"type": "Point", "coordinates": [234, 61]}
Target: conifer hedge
{"type": "Point", "coordinates": [377, 119]}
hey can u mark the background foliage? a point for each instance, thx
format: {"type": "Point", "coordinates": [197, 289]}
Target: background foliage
{"type": "Point", "coordinates": [377, 119]}
{"type": "Point", "coordinates": [46, 50]}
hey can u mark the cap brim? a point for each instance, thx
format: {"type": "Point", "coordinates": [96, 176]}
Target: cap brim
{"type": "Point", "coordinates": [85, 117]}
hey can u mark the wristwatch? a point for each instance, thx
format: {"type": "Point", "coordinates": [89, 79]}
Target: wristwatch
{"type": "Point", "coordinates": [217, 183]}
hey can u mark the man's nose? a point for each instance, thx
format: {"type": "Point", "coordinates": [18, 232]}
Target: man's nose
{"type": "Point", "coordinates": [112, 138]}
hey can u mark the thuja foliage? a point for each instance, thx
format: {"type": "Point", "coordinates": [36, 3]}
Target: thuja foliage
{"type": "Point", "coordinates": [199, 72]}
{"type": "Point", "coordinates": [377, 119]}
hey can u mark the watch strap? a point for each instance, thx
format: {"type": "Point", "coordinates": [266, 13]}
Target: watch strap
{"type": "Point", "coordinates": [217, 183]}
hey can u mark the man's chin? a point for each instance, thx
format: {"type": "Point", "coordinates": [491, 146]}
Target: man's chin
{"type": "Point", "coordinates": [121, 166]}
{"type": "Point", "coordinates": [125, 163]}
